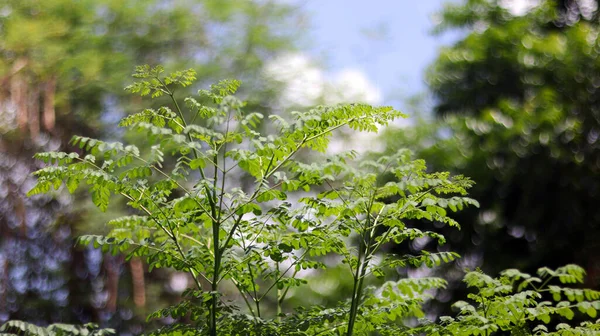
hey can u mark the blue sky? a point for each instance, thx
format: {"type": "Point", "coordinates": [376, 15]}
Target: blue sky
{"type": "Point", "coordinates": [388, 40]}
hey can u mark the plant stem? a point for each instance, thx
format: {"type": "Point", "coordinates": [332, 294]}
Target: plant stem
{"type": "Point", "coordinates": [217, 253]}
{"type": "Point", "coordinates": [255, 297]}
{"type": "Point", "coordinates": [211, 196]}
{"type": "Point", "coordinates": [358, 283]}
{"type": "Point", "coordinates": [364, 253]}
{"type": "Point", "coordinates": [243, 295]}
{"type": "Point", "coordinates": [278, 293]}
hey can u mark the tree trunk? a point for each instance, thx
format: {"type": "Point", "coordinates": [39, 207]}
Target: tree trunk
{"type": "Point", "coordinates": [49, 112]}
{"type": "Point", "coordinates": [137, 279]}
{"type": "Point", "coordinates": [33, 111]}
{"type": "Point", "coordinates": [112, 266]}
{"type": "Point", "coordinates": [18, 93]}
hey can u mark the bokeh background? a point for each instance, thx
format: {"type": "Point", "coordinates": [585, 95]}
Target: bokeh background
{"type": "Point", "coordinates": [503, 91]}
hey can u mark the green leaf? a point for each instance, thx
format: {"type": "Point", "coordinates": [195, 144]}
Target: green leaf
{"type": "Point", "coordinates": [591, 312]}
{"type": "Point", "coordinates": [198, 163]}
{"type": "Point", "coordinates": [249, 207]}
{"type": "Point", "coordinates": [100, 196]}
{"type": "Point", "coordinates": [184, 205]}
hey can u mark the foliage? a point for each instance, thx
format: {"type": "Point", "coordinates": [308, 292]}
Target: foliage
{"type": "Point", "coordinates": [194, 218]}
{"type": "Point", "coordinates": [57, 64]}
{"type": "Point", "coordinates": [533, 124]}
{"type": "Point", "coordinates": [73, 49]}
{"type": "Point", "coordinates": [524, 305]}
{"type": "Point", "coordinates": [57, 329]}
{"type": "Point", "coordinates": [515, 109]}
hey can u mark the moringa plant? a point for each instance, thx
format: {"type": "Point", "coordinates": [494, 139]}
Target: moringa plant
{"type": "Point", "coordinates": [249, 246]}
{"type": "Point", "coordinates": [523, 304]}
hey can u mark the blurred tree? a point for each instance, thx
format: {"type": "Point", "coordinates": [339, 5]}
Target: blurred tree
{"type": "Point", "coordinates": [518, 107]}
{"type": "Point", "coordinates": [63, 65]}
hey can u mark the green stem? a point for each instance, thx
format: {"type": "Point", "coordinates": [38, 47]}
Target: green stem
{"type": "Point", "coordinates": [354, 303]}
{"type": "Point", "coordinates": [237, 285]}
{"type": "Point", "coordinates": [357, 287]}
{"type": "Point", "coordinates": [278, 303]}
{"type": "Point", "coordinates": [215, 225]}
{"type": "Point", "coordinates": [284, 294]}
{"type": "Point", "coordinates": [364, 253]}
{"type": "Point", "coordinates": [255, 297]}
{"type": "Point", "coordinates": [217, 261]}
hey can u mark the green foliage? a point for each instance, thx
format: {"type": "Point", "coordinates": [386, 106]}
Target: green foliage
{"type": "Point", "coordinates": [195, 218]}
{"type": "Point", "coordinates": [523, 304]}
{"type": "Point", "coordinates": [518, 97]}
{"type": "Point", "coordinates": [63, 56]}
{"type": "Point", "coordinates": [56, 329]}
{"type": "Point", "coordinates": [516, 111]}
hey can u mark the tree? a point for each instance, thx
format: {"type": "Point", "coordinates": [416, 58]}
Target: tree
{"type": "Point", "coordinates": [516, 100]}
{"type": "Point", "coordinates": [57, 60]}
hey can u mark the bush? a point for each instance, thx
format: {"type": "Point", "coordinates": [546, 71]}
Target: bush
{"type": "Point", "coordinates": [190, 214]}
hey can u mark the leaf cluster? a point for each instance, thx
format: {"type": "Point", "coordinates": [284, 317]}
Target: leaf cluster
{"type": "Point", "coordinates": [16, 327]}
{"type": "Point", "coordinates": [523, 304]}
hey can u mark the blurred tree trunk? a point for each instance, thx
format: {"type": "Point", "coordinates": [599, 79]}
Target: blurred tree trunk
{"type": "Point", "coordinates": [18, 93]}
{"type": "Point", "coordinates": [49, 112]}
{"type": "Point", "coordinates": [112, 267]}
{"type": "Point", "coordinates": [33, 111]}
{"type": "Point", "coordinates": [79, 287]}
{"type": "Point", "coordinates": [137, 279]}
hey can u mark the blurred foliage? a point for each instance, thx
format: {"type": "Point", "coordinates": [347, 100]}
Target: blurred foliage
{"type": "Point", "coordinates": [517, 109]}
{"type": "Point", "coordinates": [85, 43]}
{"type": "Point", "coordinates": [58, 60]}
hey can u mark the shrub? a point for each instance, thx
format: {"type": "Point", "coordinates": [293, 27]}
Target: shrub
{"type": "Point", "coordinates": [191, 213]}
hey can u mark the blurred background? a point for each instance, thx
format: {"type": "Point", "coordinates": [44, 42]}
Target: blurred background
{"type": "Point", "coordinates": [504, 91]}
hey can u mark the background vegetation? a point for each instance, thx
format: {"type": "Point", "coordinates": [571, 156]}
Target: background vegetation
{"type": "Point", "coordinates": [515, 109]}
